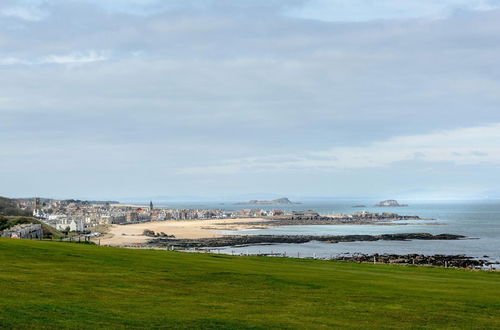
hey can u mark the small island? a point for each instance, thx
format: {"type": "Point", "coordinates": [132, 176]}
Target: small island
{"type": "Point", "coordinates": [279, 201]}
{"type": "Point", "coordinates": [390, 203]}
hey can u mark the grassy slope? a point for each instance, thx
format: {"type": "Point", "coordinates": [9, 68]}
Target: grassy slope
{"type": "Point", "coordinates": [9, 207]}
{"type": "Point", "coordinates": [52, 284]}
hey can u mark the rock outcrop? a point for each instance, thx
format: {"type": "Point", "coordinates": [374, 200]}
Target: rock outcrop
{"type": "Point", "coordinates": [390, 203]}
{"type": "Point", "coordinates": [243, 240]}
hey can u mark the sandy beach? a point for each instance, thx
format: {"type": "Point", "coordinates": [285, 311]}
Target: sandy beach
{"type": "Point", "coordinates": [123, 235]}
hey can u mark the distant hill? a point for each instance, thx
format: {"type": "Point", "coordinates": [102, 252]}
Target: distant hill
{"type": "Point", "coordinates": [77, 201]}
{"type": "Point", "coordinates": [9, 207]}
{"type": "Point", "coordinates": [278, 201]}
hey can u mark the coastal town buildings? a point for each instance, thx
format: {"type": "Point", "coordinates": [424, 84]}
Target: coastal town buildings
{"type": "Point", "coordinates": [26, 231]}
{"type": "Point", "coordinates": [83, 216]}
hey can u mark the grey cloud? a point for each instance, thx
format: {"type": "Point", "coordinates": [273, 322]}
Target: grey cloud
{"type": "Point", "coordinates": [184, 86]}
{"type": "Point", "coordinates": [152, 7]}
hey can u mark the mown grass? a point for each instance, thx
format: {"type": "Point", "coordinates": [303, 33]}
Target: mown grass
{"type": "Point", "coordinates": [61, 285]}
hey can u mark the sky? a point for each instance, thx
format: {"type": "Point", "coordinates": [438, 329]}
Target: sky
{"type": "Point", "coordinates": [226, 99]}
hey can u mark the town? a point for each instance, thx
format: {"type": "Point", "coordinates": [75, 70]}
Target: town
{"type": "Point", "coordinates": [86, 216]}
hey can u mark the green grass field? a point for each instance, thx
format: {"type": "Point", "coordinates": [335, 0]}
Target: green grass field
{"type": "Point", "coordinates": [63, 285]}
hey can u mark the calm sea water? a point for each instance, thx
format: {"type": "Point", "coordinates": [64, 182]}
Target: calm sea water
{"type": "Point", "coordinates": [478, 220]}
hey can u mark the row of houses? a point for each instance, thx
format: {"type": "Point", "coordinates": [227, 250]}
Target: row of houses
{"type": "Point", "coordinates": [26, 231]}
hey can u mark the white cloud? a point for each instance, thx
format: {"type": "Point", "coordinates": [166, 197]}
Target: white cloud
{"type": "Point", "coordinates": [75, 58]}
{"type": "Point", "coordinates": [463, 146]}
{"type": "Point", "coordinates": [12, 61]}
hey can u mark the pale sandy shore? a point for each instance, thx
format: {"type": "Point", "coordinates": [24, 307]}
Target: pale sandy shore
{"type": "Point", "coordinates": [124, 235]}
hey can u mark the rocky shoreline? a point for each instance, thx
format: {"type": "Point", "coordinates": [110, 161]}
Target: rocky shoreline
{"type": "Point", "coordinates": [439, 260]}
{"type": "Point", "coordinates": [457, 261]}
{"type": "Point", "coordinates": [245, 240]}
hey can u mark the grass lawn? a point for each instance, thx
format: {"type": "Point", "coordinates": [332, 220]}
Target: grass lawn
{"type": "Point", "coordinates": [63, 285]}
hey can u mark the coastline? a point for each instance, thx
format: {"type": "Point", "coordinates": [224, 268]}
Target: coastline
{"type": "Point", "coordinates": [124, 235]}
{"type": "Point", "coordinates": [218, 233]}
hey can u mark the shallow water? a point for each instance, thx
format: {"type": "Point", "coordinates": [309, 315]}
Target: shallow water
{"type": "Point", "coordinates": [475, 219]}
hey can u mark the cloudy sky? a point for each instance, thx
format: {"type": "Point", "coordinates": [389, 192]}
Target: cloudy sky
{"type": "Point", "coordinates": [220, 98]}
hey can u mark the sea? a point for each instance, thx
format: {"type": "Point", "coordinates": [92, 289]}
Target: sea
{"type": "Point", "coordinates": [479, 221]}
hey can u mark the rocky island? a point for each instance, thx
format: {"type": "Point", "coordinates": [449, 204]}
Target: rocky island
{"type": "Point", "coordinates": [390, 203]}
{"type": "Point", "coordinates": [279, 201]}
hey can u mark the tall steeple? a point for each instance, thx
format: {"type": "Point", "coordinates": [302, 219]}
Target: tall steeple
{"type": "Point", "coordinates": [36, 203]}
{"type": "Point", "coordinates": [151, 205]}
